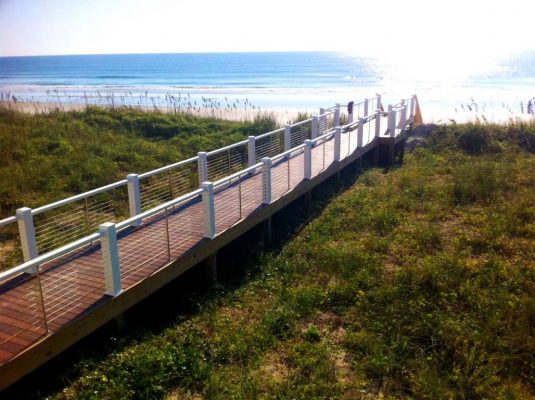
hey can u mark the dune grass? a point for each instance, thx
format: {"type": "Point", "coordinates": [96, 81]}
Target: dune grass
{"type": "Point", "coordinates": [416, 282]}
{"type": "Point", "coordinates": [48, 157]}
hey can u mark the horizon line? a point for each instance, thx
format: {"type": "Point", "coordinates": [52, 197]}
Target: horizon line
{"type": "Point", "coordinates": [177, 52]}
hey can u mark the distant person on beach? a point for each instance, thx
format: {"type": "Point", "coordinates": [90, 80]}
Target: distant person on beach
{"type": "Point", "coordinates": [530, 107]}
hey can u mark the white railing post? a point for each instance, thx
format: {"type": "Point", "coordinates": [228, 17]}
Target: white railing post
{"type": "Point", "coordinates": [308, 159]}
{"type": "Point", "coordinates": [360, 133]}
{"type": "Point", "coordinates": [391, 121]}
{"type": "Point", "coordinates": [322, 122]}
{"type": "Point", "coordinates": [315, 125]}
{"type": "Point", "coordinates": [110, 257]}
{"type": "Point", "coordinates": [251, 151]}
{"type": "Point", "coordinates": [287, 137]}
{"type": "Point", "coordinates": [377, 123]}
{"type": "Point", "coordinates": [266, 180]}
{"type": "Point", "coordinates": [27, 233]}
{"type": "Point", "coordinates": [209, 209]}
{"type": "Point", "coordinates": [336, 121]}
{"type": "Point", "coordinates": [134, 196]}
{"type": "Point", "coordinates": [337, 143]}
{"type": "Point", "coordinates": [366, 105]}
{"type": "Point", "coordinates": [403, 116]}
{"type": "Point", "coordinates": [202, 167]}
{"type": "Point", "coordinates": [379, 104]}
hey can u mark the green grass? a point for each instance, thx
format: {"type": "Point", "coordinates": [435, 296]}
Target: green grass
{"type": "Point", "coordinates": [415, 283]}
{"type": "Point", "coordinates": [48, 157]}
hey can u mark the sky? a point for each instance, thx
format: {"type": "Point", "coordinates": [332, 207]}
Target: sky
{"type": "Point", "coordinates": [427, 31]}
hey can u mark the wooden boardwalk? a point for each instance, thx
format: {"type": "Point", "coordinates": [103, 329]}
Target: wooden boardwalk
{"type": "Point", "coordinates": [34, 307]}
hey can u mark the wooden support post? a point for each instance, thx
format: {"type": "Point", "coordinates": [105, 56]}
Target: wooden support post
{"type": "Point", "coordinates": [211, 269]}
{"type": "Point", "coordinates": [391, 153]}
{"type": "Point", "coordinates": [366, 106]}
{"type": "Point", "coordinates": [134, 196]}
{"type": "Point", "coordinates": [27, 233]}
{"type": "Point", "coordinates": [268, 231]}
{"type": "Point", "coordinates": [120, 323]}
{"type": "Point", "coordinates": [375, 155]}
{"type": "Point", "coordinates": [307, 200]}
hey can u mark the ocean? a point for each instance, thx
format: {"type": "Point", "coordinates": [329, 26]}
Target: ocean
{"type": "Point", "coordinates": [301, 81]}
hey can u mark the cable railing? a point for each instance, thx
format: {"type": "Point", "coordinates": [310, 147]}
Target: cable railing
{"type": "Point", "coordinates": [54, 225]}
{"type": "Point", "coordinates": [49, 227]}
{"type": "Point", "coordinates": [236, 196]}
{"type": "Point", "coordinates": [227, 160]}
{"type": "Point", "coordinates": [72, 220]}
{"type": "Point", "coordinates": [269, 144]}
{"type": "Point", "coordinates": [324, 153]}
{"type": "Point", "coordinates": [286, 171]}
{"type": "Point", "coordinates": [167, 183]}
{"type": "Point", "coordinates": [300, 131]}
{"type": "Point", "coordinates": [56, 287]}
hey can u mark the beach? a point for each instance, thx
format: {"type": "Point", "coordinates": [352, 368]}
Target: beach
{"type": "Point", "coordinates": [242, 85]}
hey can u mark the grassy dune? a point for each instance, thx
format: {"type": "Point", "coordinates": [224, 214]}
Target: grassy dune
{"type": "Point", "coordinates": [416, 282]}
{"type": "Point", "coordinates": [48, 157]}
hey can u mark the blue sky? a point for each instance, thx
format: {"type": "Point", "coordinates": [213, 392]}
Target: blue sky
{"type": "Point", "coordinates": [472, 30]}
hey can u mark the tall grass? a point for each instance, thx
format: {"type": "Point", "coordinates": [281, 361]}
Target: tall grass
{"type": "Point", "coordinates": [46, 157]}
{"type": "Point", "coordinates": [414, 283]}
